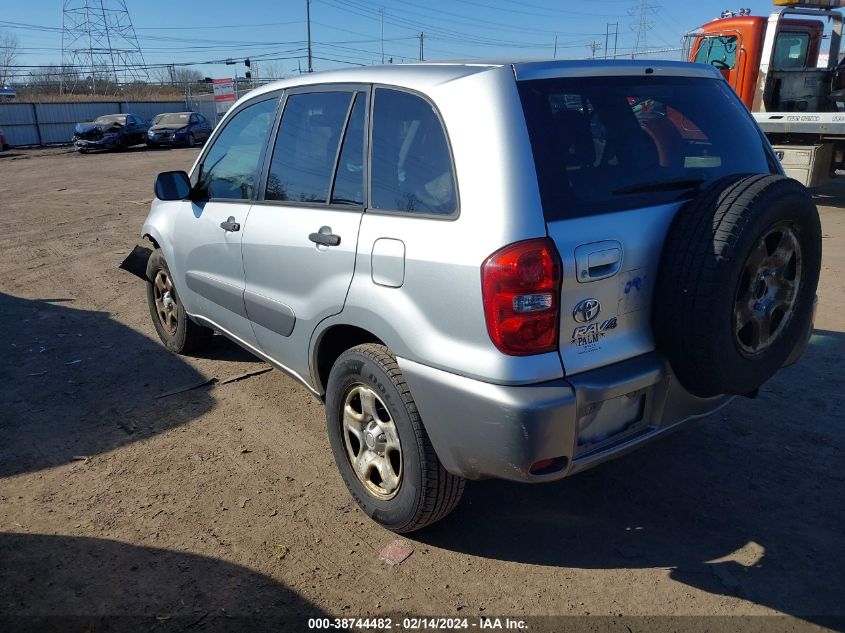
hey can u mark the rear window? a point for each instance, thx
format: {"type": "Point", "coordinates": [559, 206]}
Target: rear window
{"type": "Point", "coordinates": [791, 50]}
{"type": "Point", "coordinates": [605, 144]}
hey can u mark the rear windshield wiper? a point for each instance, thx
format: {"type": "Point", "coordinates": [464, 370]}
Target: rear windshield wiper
{"type": "Point", "coordinates": [671, 184]}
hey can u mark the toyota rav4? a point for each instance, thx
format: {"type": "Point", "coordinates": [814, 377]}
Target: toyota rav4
{"type": "Point", "coordinates": [512, 270]}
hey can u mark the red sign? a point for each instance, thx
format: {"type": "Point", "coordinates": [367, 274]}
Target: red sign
{"type": "Point", "coordinates": [224, 94]}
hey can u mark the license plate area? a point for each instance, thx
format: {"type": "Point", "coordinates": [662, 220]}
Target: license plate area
{"type": "Point", "coordinates": [606, 422]}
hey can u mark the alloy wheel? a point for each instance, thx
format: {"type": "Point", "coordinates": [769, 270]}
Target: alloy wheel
{"type": "Point", "coordinates": [372, 442]}
{"type": "Point", "coordinates": [767, 290]}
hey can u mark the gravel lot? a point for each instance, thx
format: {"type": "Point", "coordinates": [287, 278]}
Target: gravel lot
{"type": "Point", "coordinates": [224, 500]}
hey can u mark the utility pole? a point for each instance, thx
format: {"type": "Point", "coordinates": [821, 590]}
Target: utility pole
{"type": "Point", "coordinates": [308, 19]}
{"type": "Point", "coordinates": [607, 38]}
{"type": "Point", "coordinates": [422, 49]}
{"type": "Point", "coordinates": [381, 14]}
{"type": "Point", "coordinates": [554, 55]}
{"type": "Point", "coordinates": [615, 39]}
{"type": "Point", "coordinates": [594, 46]}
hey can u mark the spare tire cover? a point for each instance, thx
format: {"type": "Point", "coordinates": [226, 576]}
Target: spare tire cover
{"type": "Point", "coordinates": [737, 283]}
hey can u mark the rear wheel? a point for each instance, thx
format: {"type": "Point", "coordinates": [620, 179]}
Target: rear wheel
{"type": "Point", "coordinates": [380, 445]}
{"type": "Point", "coordinates": [174, 327]}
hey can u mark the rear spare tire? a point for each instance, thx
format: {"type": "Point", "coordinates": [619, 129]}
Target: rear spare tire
{"type": "Point", "coordinates": [737, 283]}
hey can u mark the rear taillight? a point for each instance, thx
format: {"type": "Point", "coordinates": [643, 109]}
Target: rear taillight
{"type": "Point", "coordinates": [520, 286]}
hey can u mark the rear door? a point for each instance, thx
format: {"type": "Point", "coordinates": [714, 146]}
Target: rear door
{"type": "Point", "coordinates": [300, 239]}
{"type": "Point", "coordinates": [616, 157]}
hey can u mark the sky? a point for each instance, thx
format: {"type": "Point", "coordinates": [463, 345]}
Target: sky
{"type": "Point", "coordinates": [272, 33]}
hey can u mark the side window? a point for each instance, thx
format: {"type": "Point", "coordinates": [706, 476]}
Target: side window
{"type": "Point", "coordinates": [349, 178]}
{"type": "Point", "coordinates": [229, 168]}
{"type": "Point", "coordinates": [411, 164]}
{"type": "Point", "coordinates": [306, 146]}
{"type": "Point", "coordinates": [791, 50]}
{"type": "Point", "coordinates": [193, 119]}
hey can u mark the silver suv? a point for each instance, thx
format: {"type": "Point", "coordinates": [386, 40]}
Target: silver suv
{"type": "Point", "coordinates": [512, 270]}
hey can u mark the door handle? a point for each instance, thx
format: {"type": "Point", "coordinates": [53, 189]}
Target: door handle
{"type": "Point", "coordinates": [230, 224]}
{"type": "Point", "coordinates": [598, 260]}
{"type": "Point", "coordinates": [325, 237]}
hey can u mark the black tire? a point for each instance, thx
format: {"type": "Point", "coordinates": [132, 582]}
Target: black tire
{"type": "Point", "coordinates": [190, 141]}
{"type": "Point", "coordinates": [185, 336]}
{"type": "Point", "coordinates": [427, 492]}
{"type": "Point", "coordinates": [704, 287]}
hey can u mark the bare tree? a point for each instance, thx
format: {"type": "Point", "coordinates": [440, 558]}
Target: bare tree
{"type": "Point", "coordinates": [272, 70]}
{"type": "Point", "coordinates": [8, 56]}
{"type": "Point", "coordinates": [186, 76]}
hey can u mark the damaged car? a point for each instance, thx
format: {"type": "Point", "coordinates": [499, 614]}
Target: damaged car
{"type": "Point", "coordinates": [178, 128]}
{"type": "Point", "coordinates": [110, 131]}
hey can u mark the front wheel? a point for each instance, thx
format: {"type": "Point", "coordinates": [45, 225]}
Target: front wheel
{"type": "Point", "coordinates": [190, 141]}
{"type": "Point", "coordinates": [174, 327]}
{"type": "Point", "coordinates": [380, 445]}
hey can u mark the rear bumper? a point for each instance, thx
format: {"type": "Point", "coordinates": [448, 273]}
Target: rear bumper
{"type": "Point", "coordinates": [482, 430]}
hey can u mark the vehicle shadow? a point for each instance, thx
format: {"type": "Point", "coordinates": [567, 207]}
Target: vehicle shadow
{"type": "Point", "coordinates": [64, 583]}
{"type": "Point", "coordinates": [75, 383]}
{"type": "Point", "coordinates": [831, 194]}
{"type": "Point", "coordinates": [745, 503]}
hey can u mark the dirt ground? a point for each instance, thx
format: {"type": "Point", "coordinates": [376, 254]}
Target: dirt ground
{"type": "Point", "coordinates": [223, 502]}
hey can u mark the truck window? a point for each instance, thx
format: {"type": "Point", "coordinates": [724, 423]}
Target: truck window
{"type": "Point", "coordinates": [791, 50]}
{"type": "Point", "coordinates": [718, 51]}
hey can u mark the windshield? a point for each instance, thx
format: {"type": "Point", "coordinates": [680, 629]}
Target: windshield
{"type": "Point", "coordinates": [717, 50]}
{"type": "Point", "coordinates": [608, 144]}
{"type": "Point", "coordinates": [111, 118]}
{"type": "Point", "coordinates": [173, 118]}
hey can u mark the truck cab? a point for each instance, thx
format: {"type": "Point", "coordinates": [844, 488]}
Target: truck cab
{"type": "Point", "coordinates": [786, 69]}
{"type": "Point", "coordinates": [735, 44]}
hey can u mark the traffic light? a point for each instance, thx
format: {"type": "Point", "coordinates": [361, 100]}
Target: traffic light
{"type": "Point", "coordinates": [247, 63]}
{"type": "Point", "coordinates": [248, 75]}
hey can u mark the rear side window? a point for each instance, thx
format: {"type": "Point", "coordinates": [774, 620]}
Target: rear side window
{"type": "Point", "coordinates": [229, 168]}
{"type": "Point", "coordinates": [411, 164]}
{"type": "Point", "coordinates": [306, 146]}
{"type": "Point", "coordinates": [608, 144]}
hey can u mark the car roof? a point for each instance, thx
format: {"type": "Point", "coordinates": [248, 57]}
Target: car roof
{"type": "Point", "coordinates": [423, 75]}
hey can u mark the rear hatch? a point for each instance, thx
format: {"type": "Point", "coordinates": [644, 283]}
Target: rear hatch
{"type": "Point", "coordinates": [616, 156]}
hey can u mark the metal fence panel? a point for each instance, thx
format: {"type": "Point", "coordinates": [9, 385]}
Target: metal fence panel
{"type": "Point", "coordinates": [17, 120]}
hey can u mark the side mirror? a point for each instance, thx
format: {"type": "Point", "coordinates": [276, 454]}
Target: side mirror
{"type": "Point", "coordinates": [172, 185]}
